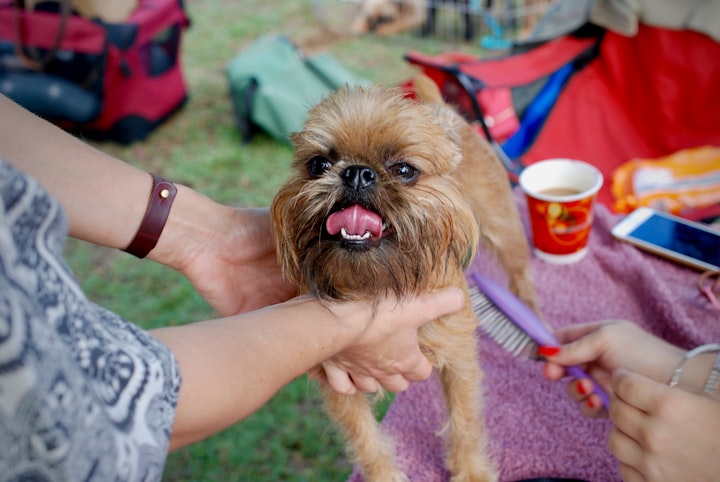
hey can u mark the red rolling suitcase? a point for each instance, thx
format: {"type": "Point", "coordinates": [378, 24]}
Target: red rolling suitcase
{"type": "Point", "coordinates": [115, 81]}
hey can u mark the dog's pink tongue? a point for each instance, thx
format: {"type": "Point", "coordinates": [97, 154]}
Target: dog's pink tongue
{"type": "Point", "coordinates": [356, 220]}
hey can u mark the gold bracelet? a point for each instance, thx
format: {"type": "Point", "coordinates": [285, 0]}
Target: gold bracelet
{"type": "Point", "coordinates": [711, 347]}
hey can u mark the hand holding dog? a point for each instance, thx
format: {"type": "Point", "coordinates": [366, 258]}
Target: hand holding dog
{"type": "Point", "coordinates": [387, 354]}
{"type": "Point", "coordinates": [228, 256]}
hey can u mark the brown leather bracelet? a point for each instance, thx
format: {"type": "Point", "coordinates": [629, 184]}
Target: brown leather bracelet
{"type": "Point", "coordinates": [161, 200]}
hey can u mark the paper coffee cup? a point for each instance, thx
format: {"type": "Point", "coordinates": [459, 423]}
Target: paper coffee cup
{"type": "Point", "coordinates": [560, 195]}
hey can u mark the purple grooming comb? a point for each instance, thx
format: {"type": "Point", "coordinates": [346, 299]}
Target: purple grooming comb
{"type": "Point", "coordinates": [514, 326]}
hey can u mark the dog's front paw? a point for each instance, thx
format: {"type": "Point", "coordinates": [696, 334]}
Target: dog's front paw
{"type": "Point", "coordinates": [400, 477]}
{"type": "Point", "coordinates": [474, 468]}
{"type": "Point", "coordinates": [393, 475]}
{"type": "Point", "coordinates": [475, 478]}
{"type": "Point", "coordinates": [479, 474]}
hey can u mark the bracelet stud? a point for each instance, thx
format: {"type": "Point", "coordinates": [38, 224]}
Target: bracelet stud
{"type": "Point", "coordinates": [162, 196]}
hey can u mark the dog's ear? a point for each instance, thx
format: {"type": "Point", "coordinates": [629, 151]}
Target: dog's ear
{"type": "Point", "coordinates": [452, 124]}
{"type": "Point", "coordinates": [428, 92]}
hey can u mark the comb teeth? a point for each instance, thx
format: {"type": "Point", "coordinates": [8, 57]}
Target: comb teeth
{"type": "Point", "coordinates": [500, 328]}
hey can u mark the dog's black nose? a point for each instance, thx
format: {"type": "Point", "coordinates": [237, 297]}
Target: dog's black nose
{"type": "Point", "coordinates": [359, 177]}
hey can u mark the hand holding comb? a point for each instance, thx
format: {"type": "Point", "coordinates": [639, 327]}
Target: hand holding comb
{"type": "Point", "coordinates": [514, 326]}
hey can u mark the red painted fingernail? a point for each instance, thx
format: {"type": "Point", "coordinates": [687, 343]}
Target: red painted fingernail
{"type": "Point", "coordinates": [581, 388]}
{"type": "Point", "coordinates": [590, 402]}
{"type": "Point", "coordinates": [548, 350]}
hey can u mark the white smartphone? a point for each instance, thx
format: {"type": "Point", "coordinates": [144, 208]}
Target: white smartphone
{"type": "Point", "coordinates": [687, 242]}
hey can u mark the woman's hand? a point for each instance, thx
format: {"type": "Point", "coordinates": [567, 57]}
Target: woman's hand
{"type": "Point", "coordinates": [227, 254]}
{"type": "Point", "coordinates": [661, 433]}
{"type": "Point", "coordinates": [387, 355]}
{"type": "Point", "coordinates": [239, 271]}
{"type": "Point", "coordinates": [600, 349]}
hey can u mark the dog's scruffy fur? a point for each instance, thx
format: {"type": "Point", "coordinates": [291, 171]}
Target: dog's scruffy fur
{"type": "Point", "coordinates": [436, 190]}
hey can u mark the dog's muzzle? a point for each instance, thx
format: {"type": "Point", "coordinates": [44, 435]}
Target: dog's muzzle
{"type": "Point", "coordinates": [356, 224]}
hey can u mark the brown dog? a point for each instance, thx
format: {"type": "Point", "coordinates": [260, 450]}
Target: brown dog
{"type": "Point", "coordinates": [393, 195]}
{"type": "Point", "coordinates": [389, 17]}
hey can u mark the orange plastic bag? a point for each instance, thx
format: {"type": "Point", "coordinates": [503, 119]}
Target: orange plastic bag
{"type": "Point", "coordinates": [684, 181]}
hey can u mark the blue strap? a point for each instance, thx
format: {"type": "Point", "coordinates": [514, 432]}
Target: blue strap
{"type": "Point", "coordinates": [536, 113]}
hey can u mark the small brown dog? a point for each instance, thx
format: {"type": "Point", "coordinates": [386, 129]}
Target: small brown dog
{"type": "Point", "coordinates": [389, 17]}
{"type": "Point", "coordinates": [393, 195]}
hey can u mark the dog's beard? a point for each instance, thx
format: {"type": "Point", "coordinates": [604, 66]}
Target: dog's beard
{"type": "Point", "coordinates": [410, 248]}
{"type": "Point", "coordinates": [393, 235]}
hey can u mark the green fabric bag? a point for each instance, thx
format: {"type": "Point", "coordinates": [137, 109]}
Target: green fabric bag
{"type": "Point", "coordinates": [273, 85]}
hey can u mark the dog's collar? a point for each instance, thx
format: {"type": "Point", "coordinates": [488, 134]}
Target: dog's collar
{"type": "Point", "coordinates": [468, 259]}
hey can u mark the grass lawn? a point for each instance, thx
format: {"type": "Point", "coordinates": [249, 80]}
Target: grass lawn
{"type": "Point", "coordinates": [290, 439]}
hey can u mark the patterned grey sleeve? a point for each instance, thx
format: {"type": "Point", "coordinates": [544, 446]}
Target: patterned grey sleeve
{"type": "Point", "coordinates": [84, 395]}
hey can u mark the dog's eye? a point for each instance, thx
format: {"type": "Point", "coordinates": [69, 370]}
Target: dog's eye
{"type": "Point", "coordinates": [317, 166]}
{"type": "Point", "coordinates": [404, 171]}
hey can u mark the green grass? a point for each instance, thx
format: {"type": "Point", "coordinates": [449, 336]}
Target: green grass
{"type": "Point", "coordinates": [290, 439]}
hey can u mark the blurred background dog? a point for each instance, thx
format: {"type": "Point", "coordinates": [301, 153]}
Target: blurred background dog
{"type": "Point", "coordinates": [389, 17]}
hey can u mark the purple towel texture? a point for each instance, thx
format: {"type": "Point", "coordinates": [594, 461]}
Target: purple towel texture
{"type": "Point", "coordinates": [534, 429]}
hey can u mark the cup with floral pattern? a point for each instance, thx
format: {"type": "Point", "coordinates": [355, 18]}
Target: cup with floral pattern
{"type": "Point", "coordinates": [560, 194]}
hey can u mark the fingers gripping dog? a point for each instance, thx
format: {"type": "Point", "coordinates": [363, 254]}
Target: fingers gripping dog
{"type": "Point", "coordinates": [388, 194]}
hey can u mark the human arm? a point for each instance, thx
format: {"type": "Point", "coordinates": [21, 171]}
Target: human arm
{"type": "Point", "coordinates": [232, 366]}
{"type": "Point", "coordinates": [104, 198]}
{"type": "Point", "coordinates": [218, 248]}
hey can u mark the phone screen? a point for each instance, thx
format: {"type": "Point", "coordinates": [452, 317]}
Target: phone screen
{"type": "Point", "coordinates": [679, 237]}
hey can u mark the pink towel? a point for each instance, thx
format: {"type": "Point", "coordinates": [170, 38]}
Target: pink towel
{"type": "Point", "coordinates": [534, 429]}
